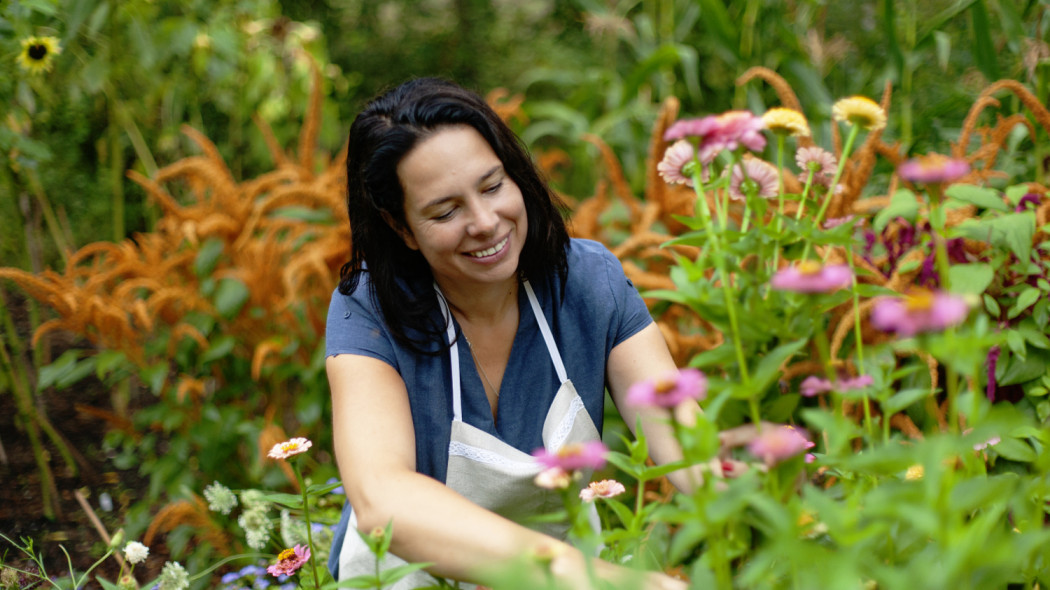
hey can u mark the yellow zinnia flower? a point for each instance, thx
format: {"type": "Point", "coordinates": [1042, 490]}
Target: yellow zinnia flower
{"type": "Point", "coordinates": [914, 472]}
{"type": "Point", "coordinates": [38, 54]}
{"type": "Point", "coordinates": [783, 121]}
{"type": "Point", "coordinates": [860, 110]}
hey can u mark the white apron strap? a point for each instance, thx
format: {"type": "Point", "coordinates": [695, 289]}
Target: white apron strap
{"type": "Point", "coordinates": [552, 348]}
{"type": "Point", "coordinates": [453, 350]}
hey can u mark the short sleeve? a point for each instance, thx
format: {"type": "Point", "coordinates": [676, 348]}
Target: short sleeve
{"type": "Point", "coordinates": [632, 313]}
{"type": "Point", "coordinates": [354, 326]}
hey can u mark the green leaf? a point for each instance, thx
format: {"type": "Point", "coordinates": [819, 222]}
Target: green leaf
{"type": "Point", "coordinates": [903, 203]}
{"type": "Point", "coordinates": [320, 489]}
{"type": "Point", "coordinates": [904, 398]}
{"type": "Point", "coordinates": [1014, 449]}
{"type": "Point", "coordinates": [230, 297]}
{"type": "Point", "coordinates": [1026, 299]}
{"type": "Point", "coordinates": [155, 375]}
{"type": "Point", "coordinates": [220, 347]}
{"type": "Point", "coordinates": [985, 198]}
{"type": "Point", "coordinates": [287, 500]}
{"type": "Point", "coordinates": [1012, 232]}
{"type": "Point", "coordinates": [208, 256]}
{"type": "Point", "coordinates": [388, 577]}
{"type": "Point", "coordinates": [971, 279]}
{"type": "Point", "coordinates": [983, 46]}
{"type": "Point", "coordinates": [768, 368]}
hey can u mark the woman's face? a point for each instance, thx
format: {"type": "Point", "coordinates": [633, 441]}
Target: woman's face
{"type": "Point", "coordinates": [463, 212]}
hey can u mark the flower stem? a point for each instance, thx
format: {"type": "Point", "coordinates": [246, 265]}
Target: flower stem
{"type": "Point", "coordinates": [306, 517]}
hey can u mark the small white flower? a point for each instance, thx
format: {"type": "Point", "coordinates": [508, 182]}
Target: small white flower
{"type": "Point", "coordinates": [220, 498]}
{"type": "Point", "coordinates": [136, 552]}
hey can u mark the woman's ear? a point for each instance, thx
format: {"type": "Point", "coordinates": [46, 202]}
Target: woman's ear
{"type": "Point", "coordinates": [404, 233]}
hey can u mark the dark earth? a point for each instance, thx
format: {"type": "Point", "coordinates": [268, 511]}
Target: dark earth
{"type": "Point", "coordinates": [73, 413]}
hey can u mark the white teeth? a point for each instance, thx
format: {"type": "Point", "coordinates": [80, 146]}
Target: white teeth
{"type": "Point", "coordinates": [490, 251]}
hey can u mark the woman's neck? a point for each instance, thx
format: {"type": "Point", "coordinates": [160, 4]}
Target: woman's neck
{"type": "Point", "coordinates": [486, 306]}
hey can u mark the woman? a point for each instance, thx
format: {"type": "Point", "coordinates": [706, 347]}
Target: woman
{"type": "Point", "coordinates": [467, 331]}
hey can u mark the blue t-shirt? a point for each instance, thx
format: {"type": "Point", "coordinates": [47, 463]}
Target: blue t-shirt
{"type": "Point", "coordinates": [598, 309]}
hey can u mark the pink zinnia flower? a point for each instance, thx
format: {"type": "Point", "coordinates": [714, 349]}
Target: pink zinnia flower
{"type": "Point", "coordinates": [774, 444]}
{"type": "Point", "coordinates": [812, 386]}
{"type": "Point", "coordinates": [933, 168]}
{"type": "Point", "coordinates": [727, 131]}
{"type": "Point", "coordinates": [762, 174]}
{"type": "Point", "coordinates": [671, 168]}
{"type": "Point", "coordinates": [669, 390]}
{"type": "Point", "coordinates": [606, 488]}
{"type": "Point", "coordinates": [289, 561]}
{"type": "Point", "coordinates": [820, 161]}
{"type": "Point", "coordinates": [554, 478]}
{"type": "Point", "coordinates": [919, 311]}
{"type": "Point", "coordinates": [809, 276]}
{"type": "Point", "coordinates": [290, 448]}
{"type": "Point", "coordinates": [574, 456]}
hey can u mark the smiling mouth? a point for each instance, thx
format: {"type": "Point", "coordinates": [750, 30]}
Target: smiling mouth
{"type": "Point", "coordinates": [489, 251]}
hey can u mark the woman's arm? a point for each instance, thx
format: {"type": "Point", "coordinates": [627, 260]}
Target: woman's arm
{"type": "Point", "coordinates": [375, 448]}
{"type": "Point", "coordinates": [645, 356]}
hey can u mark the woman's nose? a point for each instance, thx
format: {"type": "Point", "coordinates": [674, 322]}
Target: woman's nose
{"type": "Point", "coordinates": [483, 217]}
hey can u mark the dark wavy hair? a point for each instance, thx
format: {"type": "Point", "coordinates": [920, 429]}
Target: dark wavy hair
{"type": "Point", "coordinates": [381, 135]}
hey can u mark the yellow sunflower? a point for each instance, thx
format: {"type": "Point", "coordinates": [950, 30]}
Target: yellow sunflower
{"type": "Point", "coordinates": [38, 54]}
{"type": "Point", "coordinates": [783, 121]}
{"type": "Point", "coordinates": [860, 110]}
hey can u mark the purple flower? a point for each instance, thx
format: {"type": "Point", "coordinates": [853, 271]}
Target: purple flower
{"type": "Point", "coordinates": [574, 456]}
{"type": "Point", "coordinates": [812, 386]}
{"type": "Point", "coordinates": [918, 311]}
{"type": "Point", "coordinates": [669, 390]}
{"type": "Point", "coordinates": [776, 443]}
{"type": "Point", "coordinates": [1033, 199]}
{"type": "Point", "coordinates": [809, 276]}
{"type": "Point", "coordinates": [933, 168]}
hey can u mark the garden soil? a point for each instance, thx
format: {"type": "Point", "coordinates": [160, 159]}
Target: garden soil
{"type": "Point", "coordinates": [75, 414]}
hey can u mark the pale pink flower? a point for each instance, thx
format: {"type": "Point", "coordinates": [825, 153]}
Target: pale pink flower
{"type": "Point", "coordinates": [554, 478]}
{"type": "Point", "coordinates": [837, 221]}
{"type": "Point", "coordinates": [289, 561]}
{"type": "Point", "coordinates": [290, 448]}
{"type": "Point", "coordinates": [810, 276]}
{"type": "Point", "coordinates": [812, 386]}
{"type": "Point", "coordinates": [671, 168]}
{"type": "Point", "coordinates": [819, 160]}
{"type": "Point", "coordinates": [670, 390]}
{"type": "Point", "coordinates": [919, 311]}
{"type": "Point", "coordinates": [933, 168]}
{"type": "Point", "coordinates": [606, 488]}
{"type": "Point", "coordinates": [988, 443]}
{"type": "Point", "coordinates": [573, 456]}
{"type": "Point", "coordinates": [776, 443]}
{"type": "Point", "coordinates": [759, 172]}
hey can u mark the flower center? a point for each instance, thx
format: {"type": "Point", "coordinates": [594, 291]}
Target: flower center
{"type": "Point", "coordinates": [286, 555]}
{"type": "Point", "coordinates": [289, 447]}
{"type": "Point", "coordinates": [37, 51]}
{"type": "Point", "coordinates": [664, 386]}
{"type": "Point", "coordinates": [919, 301]}
{"type": "Point", "coordinates": [809, 267]}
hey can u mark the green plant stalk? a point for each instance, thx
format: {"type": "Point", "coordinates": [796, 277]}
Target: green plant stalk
{"type": "Point", "coordinates": [27, 410]}
{"type": "Point", "coordinates": [940, 246]}
{"type": "Point", "coordinates": [780, 198]}
{"type": "Point", "coordinates": [116, 174]}
{"type": "Point", "coordinates": [854, 132]}
{"type": "Point", "coordinates": [805, 194]}
{"type": "Point", "coordinates": [858, 338]}
{"type": "Point", "coordinates": [309, 526]}
{"type": "Point", "coordinates": [53, 226]}
{"type": "Point", "coordinates": [727, 289]}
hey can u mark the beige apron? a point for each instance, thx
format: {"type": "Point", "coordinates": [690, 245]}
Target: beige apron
{"type": "Point", "coordinates": [488, 471]}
